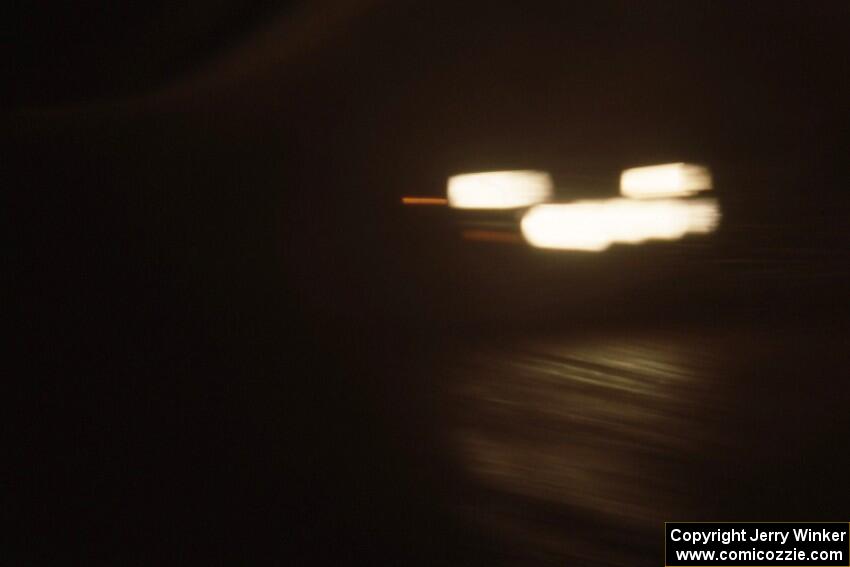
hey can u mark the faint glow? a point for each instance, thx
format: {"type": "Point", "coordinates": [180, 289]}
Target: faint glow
{"type": "Point", "coordinates": [668, 180]}
{"type": "Point", "coordinates": [424, 201]}
{"type": "Point", "coordinates": [492, 236]}
{"type": "Point", "coordinates": [596, 225]}
{"type": "Point", "coordinates": [499, 189]}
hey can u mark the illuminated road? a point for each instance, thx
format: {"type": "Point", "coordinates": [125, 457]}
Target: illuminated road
{"type": "Point", "coordinates": [582, 400]}
{"type": "Point", "coordinates": [579, 448]}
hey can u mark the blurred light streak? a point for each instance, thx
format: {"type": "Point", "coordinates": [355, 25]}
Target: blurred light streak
{"type": "Point", "coordinates": [596, 225]}
{"type": "Point", "coordinates": [492, 236]}
{"type": "Point", "coordinates": [499, 189]}
{"type": "Point", "coordinates": [424, 200]}
{"type": "Point", "coordinates": [668, 180]}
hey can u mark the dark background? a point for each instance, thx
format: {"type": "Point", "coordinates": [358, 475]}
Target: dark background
{"type": "Point", "coordinates": [226, 328]}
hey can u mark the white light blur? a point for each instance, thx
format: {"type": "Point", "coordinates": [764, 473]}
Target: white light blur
{"type": "Point", "coordinates": [499, 189]}
{"type": "Point", "coordinates": [596, 225]}
{"type": "Point", "coordinates": [668, 180]}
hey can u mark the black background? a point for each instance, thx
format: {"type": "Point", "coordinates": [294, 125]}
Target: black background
{"type": "Point", "coordinates": [220, 313]}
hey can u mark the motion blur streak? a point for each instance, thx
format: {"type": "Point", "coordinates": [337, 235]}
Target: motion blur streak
{"type": "Point", "coordinates": [592, 423]}
{"type": "Point", "coordinates": [424, 201]}
{"type": "Point", "coordinates": [499, 189]}
{"type": "Point", "coordinates": [491, 236]}
{"type": "Point", "coordinates": [668, 180]}
{"type": "Point", "coordinates": [596, 225]}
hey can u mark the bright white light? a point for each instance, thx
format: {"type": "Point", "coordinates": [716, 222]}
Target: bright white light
{"type": "Point", "coordinates": [596, 225]}
{"type": "Point", "coordinates": [668, 180]}
{"type": "Point", "coordinates": [499, 189]}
